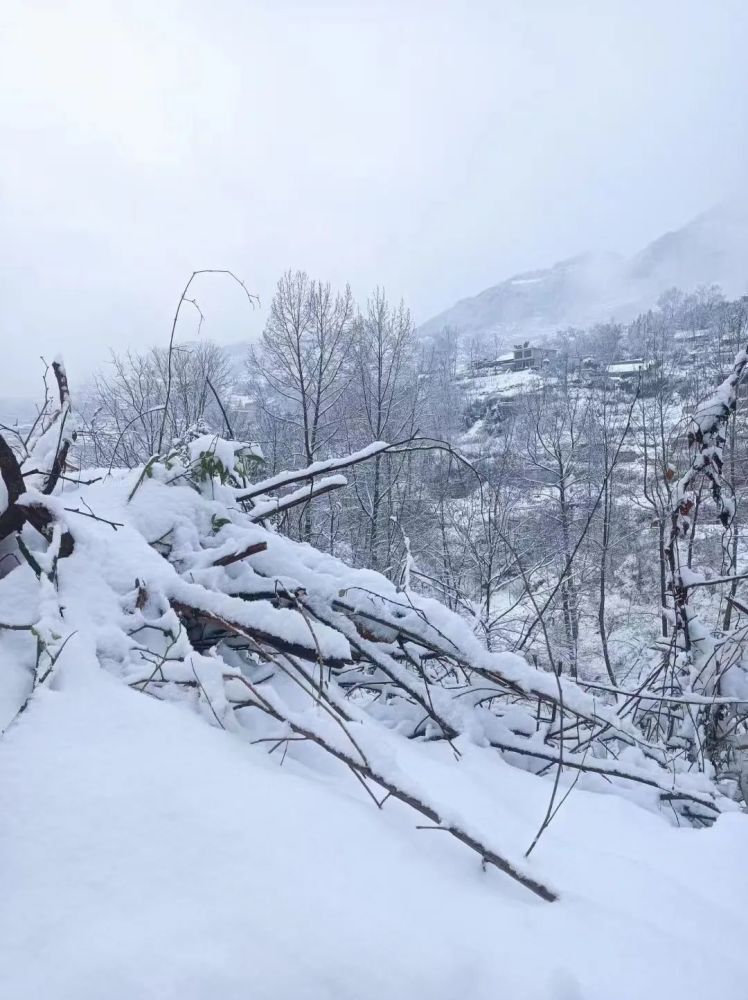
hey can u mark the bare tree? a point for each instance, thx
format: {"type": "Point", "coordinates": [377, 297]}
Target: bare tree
{"type": "Point", "coordinates": [557, 429]}
{"type": "Point", "coordinates": [384, 404]}
{"type": "Point", "coordinates": [124, 409]}
{"type": "Point", "coordinates": [301, 362]}
{"type": "Point", "coordinates": [303, 353]}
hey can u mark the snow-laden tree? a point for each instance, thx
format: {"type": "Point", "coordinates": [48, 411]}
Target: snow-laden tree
{"type": "Point", "coordinates": [173, 577]}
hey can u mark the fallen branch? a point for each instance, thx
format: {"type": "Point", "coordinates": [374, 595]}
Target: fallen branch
{"type": "Point", "coordinates": [250, 550]}
{"type": "Point", "coordinates": [487, 854]}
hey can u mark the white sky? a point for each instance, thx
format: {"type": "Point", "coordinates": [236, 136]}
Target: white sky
{"type": "Point", "coordinates": [434, 148]}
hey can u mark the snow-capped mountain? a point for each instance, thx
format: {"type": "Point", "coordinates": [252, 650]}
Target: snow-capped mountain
{"type": "Point", "coordinates": [595, 287]}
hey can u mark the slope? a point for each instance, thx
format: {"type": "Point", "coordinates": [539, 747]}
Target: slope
{"type": "Point", "coordinates": [596, 287]}
{"type": "Point", "coordinates": [202, 718]}
{"type": "Point", "coordinates": [149, 855]}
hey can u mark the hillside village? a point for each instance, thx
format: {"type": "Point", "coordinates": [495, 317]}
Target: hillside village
{"type": "Point", "coordinates": [614, 357]}
{"type": "Point", "coordinates": [499, 375]}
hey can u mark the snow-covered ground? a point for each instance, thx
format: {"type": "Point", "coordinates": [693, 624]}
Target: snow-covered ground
{"type": "Point", "coordinates": [146, 854]}
{"type": "Point", "coordinates": [190, 849]}
{"type": "Point", "coordinates": [505, 385]}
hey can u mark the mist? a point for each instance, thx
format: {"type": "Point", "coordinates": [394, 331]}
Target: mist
{"type": "Point", "coordinates": [432, 149]}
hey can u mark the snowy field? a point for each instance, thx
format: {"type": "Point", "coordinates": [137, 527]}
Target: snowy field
{"type": "Point", "coordinates": [149, 855]}
{"type": "Point", "coordinates": [216, 844]}
{"type": "Point", "coordinates": [506, 384]}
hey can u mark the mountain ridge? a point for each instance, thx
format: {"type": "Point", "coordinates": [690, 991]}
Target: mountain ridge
{"type": "Point", "coordinates": [597, 286]}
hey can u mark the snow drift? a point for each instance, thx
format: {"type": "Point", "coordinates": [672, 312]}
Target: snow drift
{"type": "Point", "coordinates": [232, 765]}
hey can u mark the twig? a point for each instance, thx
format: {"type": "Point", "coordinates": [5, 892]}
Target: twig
{"type": "Point", "coordinates": [252, 299]}
{"type": "Point", "coordinates": [95, 517]}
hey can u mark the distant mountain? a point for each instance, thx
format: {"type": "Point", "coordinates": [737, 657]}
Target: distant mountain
{"type": "Point", "coordinates": [595, 287]}
{"type": "Point", "coordinates": [237, 352]}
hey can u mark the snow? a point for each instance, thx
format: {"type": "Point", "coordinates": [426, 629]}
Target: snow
{"type": "Point", "coordinates": [267, 508]}
{"type": "Point", "coordinates": [597, 287]}
{"type": "Point", "coordinates": [43, 452]}
{"type": "Point", "coordinates": [148, 855]}
{"type": "Point", "coordinates": [505, 383]}
{"type": "Point", "coordinates": [629, 367]}
{"type": "Point", "coordinates": [689, 577]}
{"type": "Point", "coordinates": [98, 581]}
{"type": "Point", "coordinates": [316, 468]}
{"type": "Point", "coordinates": [261, 616]}
{"type": "Point", "coordinates": [223, 450]}
{"type": "Point", "coordinates": [156, 849]}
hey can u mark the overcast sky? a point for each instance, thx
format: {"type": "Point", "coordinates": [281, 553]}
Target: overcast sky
{"type": "Point", "coordinates": [433, 148]}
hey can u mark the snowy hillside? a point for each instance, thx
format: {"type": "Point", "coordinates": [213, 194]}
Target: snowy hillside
{"type": "Point", "coordinates": [591, 288]}
{"type": "Point", "coordinates": [149, 855]}
{"type": "Point", "coordinates": [232, 765]}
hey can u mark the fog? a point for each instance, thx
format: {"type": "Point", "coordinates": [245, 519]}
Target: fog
{"type": "Point", "coordinates": [430, 148]}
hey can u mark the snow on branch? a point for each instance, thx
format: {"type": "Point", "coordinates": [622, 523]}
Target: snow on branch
{"type": "Point", "coordinates": [185, 594]}
{"type": "Point", "coordinates": [284, 479]}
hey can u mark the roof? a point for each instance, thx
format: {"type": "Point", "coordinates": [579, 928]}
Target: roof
{"type": "Point", "coordinates": [630, 367]}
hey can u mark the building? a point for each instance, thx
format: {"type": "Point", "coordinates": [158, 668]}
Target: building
{"type": "Point", "coordinates": [521, 358]}
{"type": "Point", "coordinates": [631, 370]}
{"type": "Point", "coordinates": [524, 356]}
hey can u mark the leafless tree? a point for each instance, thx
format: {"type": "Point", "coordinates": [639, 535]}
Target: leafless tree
{"type": "Point", "coordinates": [301, 362]}
{"type": "Point", "coordinates": [124, 408]}
{"type": "Point", "coordinates": [557, 428]}
{"type": "Point", "coordinates": [383, 404]}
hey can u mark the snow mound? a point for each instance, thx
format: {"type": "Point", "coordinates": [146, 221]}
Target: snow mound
{"type": "Point", "coordinates": [232, 765]}
{"type": "Point", "coordinates": [147, 854]}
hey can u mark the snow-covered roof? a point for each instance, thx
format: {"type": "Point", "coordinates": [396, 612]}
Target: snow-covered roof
{"type": "Point", "coordinates": [630, 367]}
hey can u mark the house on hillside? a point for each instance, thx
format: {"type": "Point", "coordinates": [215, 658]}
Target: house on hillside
{"type": "Point", "coordinates": [632, 370]}
{"type": "Point", "coordinates": [525, 356]}
{"type": "Point", "coordinates": [522, 357]}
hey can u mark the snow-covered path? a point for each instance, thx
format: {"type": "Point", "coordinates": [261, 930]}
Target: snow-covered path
{"type": "Point", "coordinates": [146, 854]}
